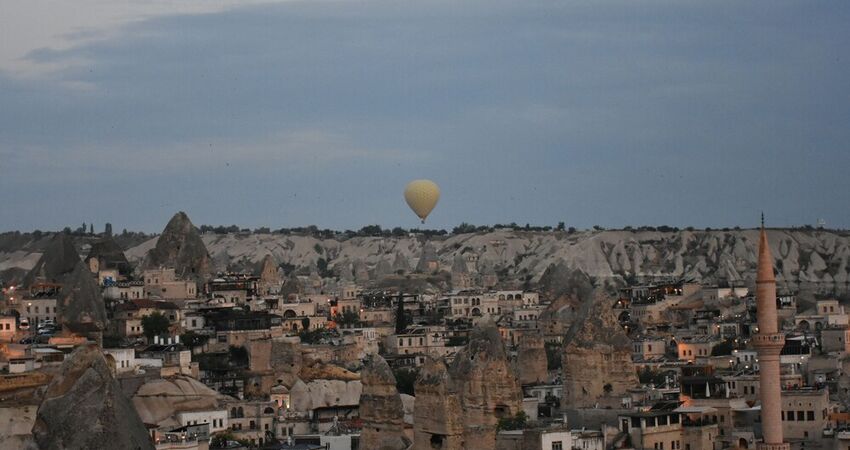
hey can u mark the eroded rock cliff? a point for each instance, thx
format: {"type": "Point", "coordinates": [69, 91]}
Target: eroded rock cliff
{"type": "Point", "coordinates": [381, 408]}
{"type": "Point", "coordinates": [84, 407]}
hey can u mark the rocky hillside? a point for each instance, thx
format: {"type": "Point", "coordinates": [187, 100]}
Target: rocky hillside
{"type": "Point", "coordinates": [802, 256]}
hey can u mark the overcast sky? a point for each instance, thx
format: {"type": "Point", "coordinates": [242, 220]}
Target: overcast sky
{"type": "Point", "coordinates": [319, 112]}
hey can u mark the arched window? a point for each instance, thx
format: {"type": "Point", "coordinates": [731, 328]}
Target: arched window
{"type": "Point", "coordinates": [240, 412]}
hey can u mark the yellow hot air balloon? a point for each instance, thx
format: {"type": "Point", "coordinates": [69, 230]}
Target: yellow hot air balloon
{"type": "Point", "coordinates": [422, 197]}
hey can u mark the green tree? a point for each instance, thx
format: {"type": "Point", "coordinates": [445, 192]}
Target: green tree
{"type": "Point", "coordinates": [154, 325]}
{"type": "Point", "coordinates": [405, 378]}
{"type": "Point", "coordinates": [400, 319]}
{"type": "Point", "coordinates": [553, 356]}
{"type": "Point", "coordinates": [192, 339]}
{"type": "Point", "coordinates": [348, 318]}
{"type": "Point", "coordinates": [517, 422]}
{"type": "Point", "coordinates": [723, 348]}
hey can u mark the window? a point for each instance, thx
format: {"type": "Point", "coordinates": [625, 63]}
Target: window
{"type": "Point", "coordinates": [557, 445]}
{"type": "Point", "coordinates": [800, 416]}
{"type": "Point", "coordinates": [810, 415]}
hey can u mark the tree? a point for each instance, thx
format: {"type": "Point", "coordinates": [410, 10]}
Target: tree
{"type": "Point", "coordinates": [154, 325]}
{"type": "Point", "coordinates": [107, 230]}
{"type": "Point", "coordinates": [553, 356]}
{"type": "Point", "coordinates": [561, 226]}
{"type": "Point", "coordinates": [400, 319]}
{"type": "Point", "coordinates": [517, 422]}
{"type": "Point", "coordinates": [464, 228]}
{"type": "Point", "coordinates": [723, 348]}
{"type": "Point", "coordinates": [192, 339]}
{"type": "Point", "coordinates": [405, 378]}
{"type": "Point", "coordinates": [305, 323]}
{"type": "Point", "coordinates": [348, 318]}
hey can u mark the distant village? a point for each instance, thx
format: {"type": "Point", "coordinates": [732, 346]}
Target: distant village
{"type": "Point", "coordinates": [171, 354]}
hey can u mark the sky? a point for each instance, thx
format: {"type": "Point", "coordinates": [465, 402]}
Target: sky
{"type": "Point", "coordinates": [293, 113]}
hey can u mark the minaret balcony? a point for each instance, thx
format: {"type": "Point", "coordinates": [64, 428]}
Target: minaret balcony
{"type": "Point", "coordinates": [768, 341]}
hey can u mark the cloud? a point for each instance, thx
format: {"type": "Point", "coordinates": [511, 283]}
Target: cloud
{"type": "Point", "coordinates": [524, 112]}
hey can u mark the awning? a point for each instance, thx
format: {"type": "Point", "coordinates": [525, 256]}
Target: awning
{"type": "Point", "coordinates": [695, 409]}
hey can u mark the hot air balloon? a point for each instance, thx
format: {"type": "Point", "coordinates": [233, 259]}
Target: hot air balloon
{"type": "Point", "coordinates": [422, 197]}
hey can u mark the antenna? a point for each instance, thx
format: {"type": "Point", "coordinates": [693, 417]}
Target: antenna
{"type": "Point", "coordinates": [762, 219]}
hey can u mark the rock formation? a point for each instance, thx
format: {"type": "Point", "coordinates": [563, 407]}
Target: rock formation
{"type": "Point", "coordinates": [489, 279]}
{"type": "Point", "coordinates": [292, 287]}
{"type": "Point", "coordinates": [487, 386]}
{"type": "Point", "coordinates": [437, 412]}
{"type": "Point", "coordinates": [597, 361]}
{"type": "Point", "coordinates": [802, 257]}
{"type": "Point", "coordinates": [400, 263]}
{"type": "Point", "coordinates": [180, 247]}
{"type": "Point", "coordinates": [79, 299]}
{"type": "Point", "coordinates": [531, 360]}
{"type": "Point", "coordinates": [269, 276]}
{"type": "Point", "coordinates": [361, 271]}
{"type": "Point", "coordinates": [428, 260]}
{"type": "Point", "coordinates": [160, 400]}
{"type": "Point", "coordinates": [84, 407]}
{"type": "Point", "coordinates": [108, 255]}
{"type": "Point", "coordinates": [461, 279]}
{"type": "Point", "coordinates": [381, 408]}
{"type": "Point", "coordinates": [383, 269]}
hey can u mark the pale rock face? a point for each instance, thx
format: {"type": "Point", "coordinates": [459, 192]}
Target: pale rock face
{"type": "Point", "coordinates": [159, 401]}
{"type": "Point", "coordinates": [459, 407]}
{"type": "Point", "coordinates": [84, 407]}
{"type": "Point", "coordinates": [487, 386]}
{"type": "Point", "coordinates": [381, 408]}
{"type": "Point", "coordinates": [437, 413]}
{"type": "Point", "coordinates": [79, 299]}
{"type": "Point", "coordinates": [361, 271]}
{"type": "Point", "coordinates": [383, 269]}
{"type": "Point", "coordinates": [324, 394]}
{"type": "Point", "coordinates": [709, 256]}
{"type": "Point", "coordinates": [597, 354]}
{"type": "Point", "coordinates": [531, 360]}
{"type": "Point", "coordinates": [180, 247]}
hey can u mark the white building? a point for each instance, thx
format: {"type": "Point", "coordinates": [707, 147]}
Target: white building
{"type": "Point", "coordinates": [217, 419]}
{"type": "Point", "coordinates": [125, 358]}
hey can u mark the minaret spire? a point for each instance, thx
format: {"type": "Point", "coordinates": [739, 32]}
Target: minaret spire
{"type": "Point", "coordinates": [768, 343]}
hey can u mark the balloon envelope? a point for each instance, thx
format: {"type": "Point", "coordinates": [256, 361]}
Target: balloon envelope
{"type": "Point", "coordinates": [422, 197]}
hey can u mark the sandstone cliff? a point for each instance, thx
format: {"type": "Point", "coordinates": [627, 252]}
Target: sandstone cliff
{"type": "Point", "coordinates": [84, 407]}
{"type": "Point", "coordinates": [802, 256]}
{"type": "Point", "coordinates": [487, 386]}
{"type": "Point", "coordinates": [381, 408]}
{"type": "Point", "coordinates": [180, 246]}
{"type": "Point", "coordinates": [79, 299]}
{"type": "Point", "coordinates": [597, 361]}
{"type": "Point", "coordinates": [531, 363]}
{"type": "Point", "coordinates": [437, 412]}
